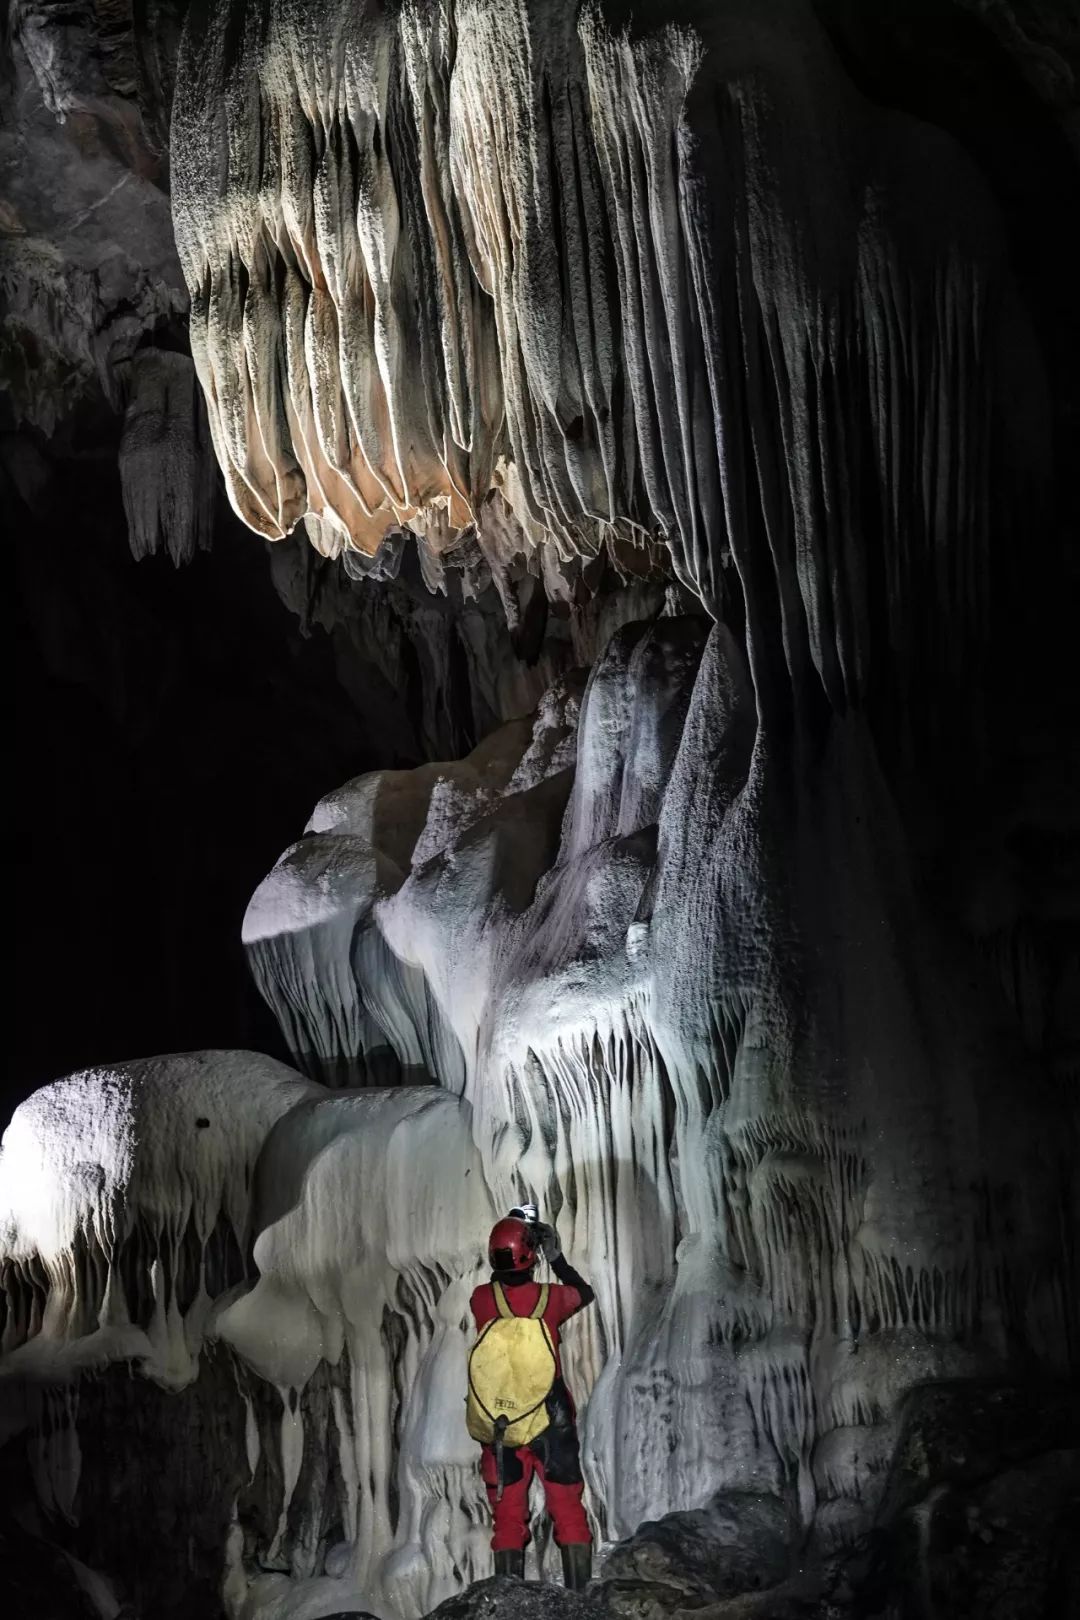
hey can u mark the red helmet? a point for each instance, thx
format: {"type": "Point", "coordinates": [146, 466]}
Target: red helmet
{"type": "Point", "coordinates": [513, 1245]}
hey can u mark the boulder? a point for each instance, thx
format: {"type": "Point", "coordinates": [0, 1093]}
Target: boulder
{"type": "Point", "coordinates": [503, 1599]}
{"type": "Point", "coordinates": [964, 1431]}
{"type": "Point", "coordinates": [741, 1541]}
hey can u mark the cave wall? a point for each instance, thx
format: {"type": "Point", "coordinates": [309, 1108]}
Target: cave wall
{"type": "Point", "coordinates": [716, 1026]}
{"type": "Point", "coordinates": [668, 444]}
{"type": "Point", "coordinates": [698, 1009]}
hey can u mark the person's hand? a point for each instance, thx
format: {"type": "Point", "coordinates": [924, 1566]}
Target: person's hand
{"type": "Point", "coordinates": [549, 1242]}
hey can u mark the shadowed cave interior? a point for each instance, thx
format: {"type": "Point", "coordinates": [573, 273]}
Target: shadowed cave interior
{"type": "Point", "coordinates": [546, 586]}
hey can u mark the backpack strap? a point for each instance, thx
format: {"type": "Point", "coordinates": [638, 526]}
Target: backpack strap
{"type": "Point", "coordinates": [506, 1310]}
{"type": "Point", "coordinates": [502, 1304]}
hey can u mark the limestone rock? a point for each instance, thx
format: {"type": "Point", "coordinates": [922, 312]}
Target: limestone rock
{"type": "Point", "coordinates": [166, 466]}
{"type": "Point", "coordinates": [963, 1433]}
{"type": "Point", "coordinates": [737, 1543]}
{"type": "Point", "coordinates": [500, 1599]}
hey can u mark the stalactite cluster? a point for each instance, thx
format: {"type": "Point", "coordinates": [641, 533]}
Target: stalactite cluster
{"type": "Point", "coordinates": [711, 378]}
{"type": "Point", "coordinates": [678, 290]}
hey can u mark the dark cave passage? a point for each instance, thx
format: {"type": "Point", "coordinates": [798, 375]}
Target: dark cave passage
{"type": "Point", "coordinates": [173, 730]}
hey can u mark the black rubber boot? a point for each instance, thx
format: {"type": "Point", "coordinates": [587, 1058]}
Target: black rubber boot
{"type": "Point", "coordinates": [577, 1565]}
{"type": "Point", "coordinates": [511, 1561]}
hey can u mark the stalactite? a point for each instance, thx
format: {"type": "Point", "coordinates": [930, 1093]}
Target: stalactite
{"type": "Point", "coordinates": [166, 463]}
{"type": "Point", "coordinates": [124, 1202]}
{"type": "Point", "coordinates": [679, 308]}
{"type": "Point", "coordinates": [747, 1156]}
{"type": "Point", "coordinates": [601, 313]}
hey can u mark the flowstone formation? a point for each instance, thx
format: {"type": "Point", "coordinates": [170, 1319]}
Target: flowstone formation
{"type": "Point", "coordinates": [676, 287]}
{"type": "Point", "coordinates": [713, 376]}
{"type": "Point", "coordinates": [696, 1012]}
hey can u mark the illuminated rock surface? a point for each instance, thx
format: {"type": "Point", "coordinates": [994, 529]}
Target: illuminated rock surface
{"type": "Point", "coordinates": [674, 444]}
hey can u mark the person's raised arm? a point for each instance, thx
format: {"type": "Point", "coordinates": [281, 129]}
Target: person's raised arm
{"type": "Point", "coordinates": [560, 1265]}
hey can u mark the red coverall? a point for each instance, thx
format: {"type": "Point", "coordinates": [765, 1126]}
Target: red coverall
{"type": "Point", "coordinates": [553, 1455]}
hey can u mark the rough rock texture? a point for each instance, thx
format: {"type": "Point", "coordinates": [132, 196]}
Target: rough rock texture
{"type": "Point", "coordinates": [1006, 1549]}
{"type": "Point", "coordinates": [94, 348]}
{"type": "Point", "coordinates": [311, 924]}
{"type": "Point", "coordinates": [88, 267]}
{"type": "Point", "coordinates": [726, 1105]}
{"type": "Point", "coordinates": [131, 1488]}
{"type": "Point", "coordinates": [435, 660]}
{"type": "Point", "coordinates": [165, 467]}
{"type": "Point", "coordinates": [682, 360]}
{"type": "Point", "coordinates": [501, 1599]}
{"type": "Point", "coordinates": [601, 282]}
{"type": "Point", "coordinates": [736, 1543]}
{"type": "Point", "coordinates": [124, 1209]}
{"type": "Point", "coordinates": [983, 1484]}
{"type": "Point", "coordinates": [961, 1434]}
{"type": "Point", "coordinates": [740, 1148]}
{"type": "Point", "coordinates": [189, 721]}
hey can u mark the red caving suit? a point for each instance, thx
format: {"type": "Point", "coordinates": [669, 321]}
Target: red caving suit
{"type": "Point", "coordinates": [553, 1455]}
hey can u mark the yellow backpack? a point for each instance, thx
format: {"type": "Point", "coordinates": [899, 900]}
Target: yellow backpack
{"type": "Point", "coordinates": [511, 1371]}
